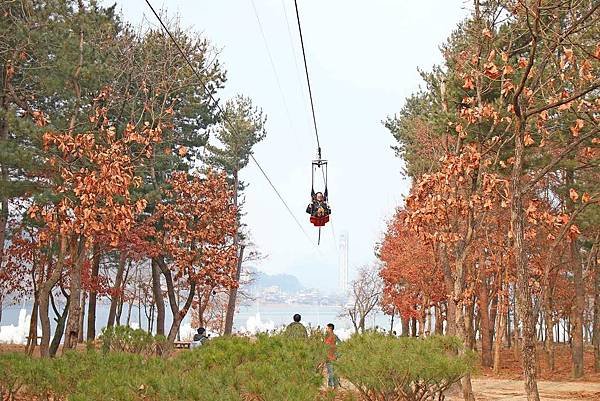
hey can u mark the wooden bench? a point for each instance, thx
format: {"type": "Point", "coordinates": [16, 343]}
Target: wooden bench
{"type": "Point", "coordinates": [36, 339]}
{"type": "Point", "coordinates": [181, 344]}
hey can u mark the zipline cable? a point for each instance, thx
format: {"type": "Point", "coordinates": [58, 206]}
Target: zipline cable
{"type": "Point", "coordinates": [216, 103]}
{"type": "Point", "coordinates": [312, 104]}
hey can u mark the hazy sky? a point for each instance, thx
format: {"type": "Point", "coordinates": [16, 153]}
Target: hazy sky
{"type": "Point", "coordinates": [363, 58]}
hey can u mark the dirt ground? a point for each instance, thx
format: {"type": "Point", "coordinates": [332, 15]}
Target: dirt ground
{"type": "Point", "coordinates": [557, 385]}
{"type": "Point", "coordinates": [511, 367]}
{"type": "Point", "coordinates": [488, 389]}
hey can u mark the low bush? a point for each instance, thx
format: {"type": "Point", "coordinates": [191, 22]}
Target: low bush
{"type": "Point", "coordinates": [389, 368]}
{"type": "Point", "coordinates": [134, 341]}
{"type": "Point", "coordinates": [267, 368]}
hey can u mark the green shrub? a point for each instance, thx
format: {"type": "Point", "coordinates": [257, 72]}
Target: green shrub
{"type": "Point", "coordinates": [383, 367]}
{"type": "Point", "coordinates": [231, 369]}
{"type": "Point", "coordinates": [135, 341]}
{"type": "Point", "coordinates": [268, 368]}
{"type": "Point", "coordinates": [118, 377]}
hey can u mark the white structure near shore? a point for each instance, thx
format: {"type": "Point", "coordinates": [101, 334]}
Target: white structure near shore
{"type": "Point", "coordinates": [11, 334]}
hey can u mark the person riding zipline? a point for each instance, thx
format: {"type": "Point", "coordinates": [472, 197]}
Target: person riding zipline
{"type": "Point", "coordinates": [318, 207]}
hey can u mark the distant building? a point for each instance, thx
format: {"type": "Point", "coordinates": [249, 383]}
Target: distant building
{"type": "Point", "coordinates": [343, 262]}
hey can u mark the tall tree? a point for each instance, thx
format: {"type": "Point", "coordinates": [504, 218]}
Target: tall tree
{"type": "Point", "coordinates": [243, 127]}
{"type": "Point", "coordinates": [365, 292]}
{"type": "Point", "coordinates": [520, 74]}
{"type": "Point", "coordinates": [199, 227]}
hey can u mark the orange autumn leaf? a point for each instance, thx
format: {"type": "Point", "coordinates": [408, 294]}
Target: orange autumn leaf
{"type": "Point", "coordinates": [573, 195]}
{"type": "Point", "coordinates": [469, 83]}
{"type": "Point", "coordinates": [568, 54]}
{"type": "Point", "coordinates": [576, 128]}
{"type": "Point", "coordinates": [585, 198]}
{"type": "Point", "coordinates": [491, 70]}
{"type": "Point", "coordinates": [528, 139]}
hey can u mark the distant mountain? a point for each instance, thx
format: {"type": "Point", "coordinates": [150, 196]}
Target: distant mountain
{"type": "Point", "coordinates": [286, 282]}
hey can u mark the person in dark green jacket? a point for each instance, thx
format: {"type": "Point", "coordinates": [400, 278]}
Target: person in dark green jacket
{"type": "Point", "coordinates": [296, 329]}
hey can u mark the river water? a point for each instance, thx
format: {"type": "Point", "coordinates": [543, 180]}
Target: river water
{"type": "Point", "coordinates": [249, 318]}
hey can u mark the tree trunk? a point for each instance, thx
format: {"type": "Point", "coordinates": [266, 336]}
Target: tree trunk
{"type": "Point", "coordinates": [44, 299]}
{"type": "Point", "coordinates": [3, 174]}
{"type": "Point", "coordinates": [151, 318]}
{"type": "Point", "coordinates": [596, 324]}
{"type": "Point", "coordinates": [233, 293]}
{"type": "Point", "coordinates": [523, 289]}
{"type": "Point", "coordinates": [121, 298]}
{"type": "Point", "coordinates": [91, 319]}
{"type": "Point", "coordinates": [508, 329]}
{"type": "Point", "coordinates": [180, 315]}
{"type": "Point", "coordinates": [470, 324]}
{"type": "Point", "coordinates": [82, 316]}
{"type": "Point", "coordinates": [3, 214]}
{"type": "Point", "coordinates": [423, 321]}
{"type": "Point", "coordinates": [502, 317]}
{"type": "Point", "coordinates": [516, 334]}
{"type": "Point", "coordinates": [232, 300]}
{"type": "Point", "coordinates": [44, 318]}
{"type": "Point", "coordinates": [117, 290]}
{"type": "Point", "coordinates": [449, 284]}
{"type": "Point", "coordinates": [78, 246]}
{"type": "Point", "coordinates": [32, 338]}
{"type": "Point", "coordinates": [549, 323]}
{"type": "Point", "coordinates": [203, 303]}
{"type": "Point", "coordinates": [60, 319]}
{"type": "Point", "coordinates": [352, 315]}
{"type": "Point", "coordinates": [439, 321]}
{"type": "Point", "coordinates": [129, 306]}
{"type": "Point", "coordinates": [79, 254]}
{"type": "Point", "coordinates": [405, 323]}
{"type": "Point", "coordinates": [493, 314]}
{"type": "Point", "coordinates": [158, 299]}
{"type": "Point", "coordinates": [413, 327]}
{"type": "Point", "coordinates": [240, 251]}
{"type": "Point", "coordinates": [485, 326]}
{"type": "Point", "coordinates": [577, 350]}
{"type": "Point", "coordinates": [460, 326]}
{"type": "Point", "coordinates": [500, 328]}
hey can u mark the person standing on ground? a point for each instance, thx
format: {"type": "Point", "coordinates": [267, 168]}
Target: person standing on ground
{"type": "Point", "coordinates": [296, 329]}
{"type": "Point", "coordinates": [331, 340]}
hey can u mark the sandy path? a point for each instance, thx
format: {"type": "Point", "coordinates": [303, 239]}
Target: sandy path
{"type": "Point", "coordinates": [512, 390]}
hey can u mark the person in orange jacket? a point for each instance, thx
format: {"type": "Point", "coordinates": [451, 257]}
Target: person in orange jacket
{"type": "Point", "coordinates": [331, 340]}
